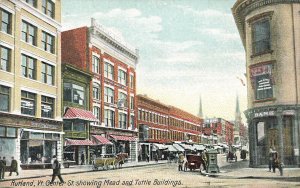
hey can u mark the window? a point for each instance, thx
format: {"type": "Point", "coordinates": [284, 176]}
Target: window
{"type": "Point", "coordinates": [109, 71]}
{"type": "Point", "coordinates": [96, 65]}
{"type": "Point", "coordinates": [28, 101]}
{"type": "Point", "coordinates": [28, 67]}
{"type": "Point", "coordinates": [31, 2]}
{"type": "Point", "coordinates": [260, 133]}
{"type": "Point", "coordinates": [122, 120]}
{"type": "Point", "coordinates": [96, 91]}
{"type": "Point", "coordinates": [29, 33]}
{"type": "Point", "coordinates": [131, 81]}
{"type": "Point", "coordinates": [8, 132]}
{"type": "Point", "coordinates": [131, 103]}
{"type": "Point", "coordinates": [96, 112]}
{"type": "Point", "coordinates": [5, 21]}
{"type": "Point", "coordinates": [109, 118]}
{"type": "Point", "coordinates": [48, 42]}
{"type": "Point", "coordinates": [122, 100]}
{"type": "Point", "coordinates": [132, 122]}
{"type": "Point", "coordinates": [5, 58]}
{"type": "Point", "coordinates": [47, 74]}
{"type": "Point", "coordinates": [261, 36]}
{"type": "Point", "coordinates": [4, 98]}
{"type": "Point", "coordinates": [108, 95]}
{"type": "Point", "coordinates": [122, 77]}
{"type": "Point", "coordinates": [79, 126]}
{"type": "Point", "coordinates": [48, 8]}
{"type": "Point", "coordinates": [47, 107]}
{"type": "Point", "coordinates": [74, 93]}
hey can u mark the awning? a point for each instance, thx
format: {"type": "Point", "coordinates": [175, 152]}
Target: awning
{"type": "Point", "coordinates": [123, 138]}
{"type": "Point", "coordinates": [186, 146]}
{"type": "Point", "coordinates": [70, 142]}
{"type": "Point", "coordinates": [198, 147]}
{"type": "Point", "coordinates": [160, 146]}
{"type": "Point", "coordinates": [171, 148]}
{"type": "Point", "coordinates": [178, 147]}
{"type": "Point", "coordinates": [76, 113]}
{"type": "Point", "coordinates": [100, 140]}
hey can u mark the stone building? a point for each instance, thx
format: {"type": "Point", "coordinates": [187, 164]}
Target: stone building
{"type": "Point", "coordinates": [30, 81]}
{"type": "Point", "coordinates": [270, 34]}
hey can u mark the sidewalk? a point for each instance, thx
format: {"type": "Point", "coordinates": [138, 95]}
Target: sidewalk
{"type": "Point", "coordinates": [24, 174]}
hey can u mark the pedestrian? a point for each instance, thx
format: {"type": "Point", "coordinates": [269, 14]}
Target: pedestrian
{"type": "Point", "coordinates": [180, 161]}
{"type": "Point", "coordinates": [4, 167]}
{"type": "Point", "coordinates": [56, 170]}
{"type": "Point", "coordinates": [13, 166]}
{"type": "Point", "coordinates": [156, 157]}
{"type": "Point", "coordinates": [82, 158]}
{"type": "Point", "coordinates": [1, 169]}
{"type": "Point", "coordinates": [147, 157]}
{"type": "Point", "coordinates": [176, 157]}
{"type": "Point", "coordinates": [275, 163]}
{"type": "Point", "coordinates": [184, 164]}
{"type": "Point", "coordinates": [270, 158]}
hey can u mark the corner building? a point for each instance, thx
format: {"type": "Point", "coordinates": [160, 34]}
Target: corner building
{"type": "Point", "coordinates": [30, 81]}
{"type": "Point", "coordinates": [113, 86]}
{"type": "Point", "coordinates": [270, 33]}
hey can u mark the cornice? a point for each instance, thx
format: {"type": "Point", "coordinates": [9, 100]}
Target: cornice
{"type": "Point", "coordinates": [244, 7]}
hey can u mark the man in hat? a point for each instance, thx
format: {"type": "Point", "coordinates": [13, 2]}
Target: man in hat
{"type": "Point", "coordinates": [1, 168]}
{"type": "Point", "coordinates": [56, 170]}
{"type": "Point", "coordinates": [13, 166]}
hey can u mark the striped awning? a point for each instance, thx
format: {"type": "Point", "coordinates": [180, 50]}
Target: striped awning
{"type": "Point", "coordinates": [123, 138]}
{"type": "Point", "coordinates": [77, 113]}
{"type": "Point", "coordinates": [100, 140]}
{"type": "Point", "coordinates": [71, 142]}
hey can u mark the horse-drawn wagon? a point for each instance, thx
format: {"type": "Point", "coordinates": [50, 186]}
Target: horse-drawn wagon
{"type": "Point", "coordinates": [107, 161]}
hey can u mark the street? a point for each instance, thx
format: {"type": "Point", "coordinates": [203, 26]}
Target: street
{"type": "Point", "coordinates": [164, 175]}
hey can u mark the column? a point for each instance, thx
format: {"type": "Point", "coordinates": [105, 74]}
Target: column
{"type": "Point", "coordinates": [280, 134]}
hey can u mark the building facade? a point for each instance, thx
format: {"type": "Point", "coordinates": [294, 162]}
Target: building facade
{"type": "Point", "coordinates": [30, 81]}
{"type": "Point", "coordinates": [162, 124]}
{"type": "Point", "coordinates": [113, 85]}
{"type": "Point", "coordinates": [269, 30]}
{"type": "Point", "coordinates": [218, 131]}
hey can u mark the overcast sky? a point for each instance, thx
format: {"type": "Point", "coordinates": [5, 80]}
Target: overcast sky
{"type": "Point", "coordinates": [187, 48]}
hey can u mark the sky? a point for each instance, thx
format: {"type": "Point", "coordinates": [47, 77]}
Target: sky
{"type": "Point", "coordinates": [188, 49]}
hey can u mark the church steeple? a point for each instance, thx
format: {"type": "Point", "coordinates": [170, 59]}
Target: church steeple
{"type": "Point", "coordinates": [200, 113]}
{"type": "Point", "coordinates": [237, 108]}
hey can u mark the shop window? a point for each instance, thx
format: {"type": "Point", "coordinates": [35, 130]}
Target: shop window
{"type": "Point", "coordinates": [5, 59]}
{"type": "Point", "coordinates": [5, 21]}
{"type": "Point", "coordinates": [67, 125]}
{"type": "Point", "coordinates": [47, 107]}
{"type": "Point", "coordinates": [28, 102]}
{"type": "Point", "coordinates": [28, 67]}
{"type": "Point", "coordinates": [4, 98]}
{"type": "Point", "coordinates": [2, 131]}
{"type": "Point", "coordinates": [261, 36]}
{"type": "Point", "coordinates": [11, 132]}
{"type": "Point", "coordinates": [122, 120]}
{"type": "Point", "coordinates": [122, 77]}
{"type": "Point", "coordinates": [79, 126]}
{"type": "Point", "coordinates": [29, 33]}
{"type": "Point", "coordinates": [109, 118]}
{"type": "Point", "coordinates": [48, 42]}
{"type": "Point", "coordinates": [32, 2]}
{"type": "Point", "coordinates": [74, 93]}
{"type": "Point", "coordinates": [108, 71]}
{"type": "Point", "coordinates": [48, 8]}
{"type": "Point", "coordinates": [108, 95]}
{"type": "Point", "coordinates": [96, 64]}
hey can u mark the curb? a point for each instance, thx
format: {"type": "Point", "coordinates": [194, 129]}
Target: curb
{"type": "Point", "coordinates": [80, 172]}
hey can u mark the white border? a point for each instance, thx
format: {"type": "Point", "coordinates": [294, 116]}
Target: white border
{"type": "Point", "coordinates": [7, 45]}
{"type": "Point", "coordinates": [109, 62]}
{"type": "Point", "coordinates": [109, 108]}
{"type": "Point", "coordinates": [8, 9]}
{"type": "Point", "coordinates": [95, 54]}
{"type": "Point", "coordinates": [110, 86]}
{"type": "Point", "coordinates": [7, 84]}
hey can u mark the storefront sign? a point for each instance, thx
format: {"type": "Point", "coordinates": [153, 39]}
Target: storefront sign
{"type": "Point", "coordinates": [44, 125]}
{"type": "Point", "coordinates": [288, 112]}
{"type": "Point", "coordinates": [264, 84]}
{"type": "Point", "coordinates": [264, 114]}
{"type": "Point", "coordinates": [261, 70]}
{"type": "Point", "coordinates": [296, 152]}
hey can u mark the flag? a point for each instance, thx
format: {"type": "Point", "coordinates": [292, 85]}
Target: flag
{"type": "Point", "coordinates": [242, 81]}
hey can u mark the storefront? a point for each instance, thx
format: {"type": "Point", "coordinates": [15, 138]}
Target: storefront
{"type": "Point", "coordinates": [276, 127]}
{"type": "Point", "coordinates": [125, 144]}
{"type": "Point", "coordinates": [38, 147]}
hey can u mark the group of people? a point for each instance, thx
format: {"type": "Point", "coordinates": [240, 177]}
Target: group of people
{"type": "Point", "coordinates": [13, 167]}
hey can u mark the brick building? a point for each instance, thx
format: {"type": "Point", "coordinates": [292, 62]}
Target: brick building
{"type": "Point", "coordinates": [160, 124]}
{"type": "Point", "coordinates": [113, 85]}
